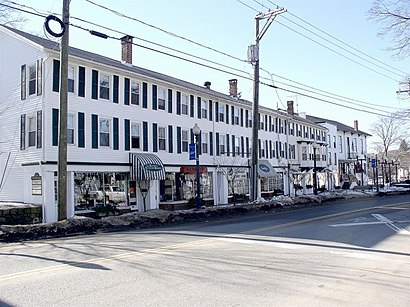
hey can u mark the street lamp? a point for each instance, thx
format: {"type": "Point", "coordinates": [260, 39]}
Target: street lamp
{"type": "Point", "coordinates": [197, 131]}
{"type": "Point", "coordinates": [315, 146]}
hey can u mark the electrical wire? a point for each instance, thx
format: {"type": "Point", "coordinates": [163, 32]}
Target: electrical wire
{"type": "Point", "coordinates": [228, 72]}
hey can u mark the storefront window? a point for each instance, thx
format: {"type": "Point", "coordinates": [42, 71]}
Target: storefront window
{"type": "Point", "coordinates": [272, 184]}
{"type": "Point", "coordinates": [92, 189]}
{"type": "Point", "coordinates": [182, 186]}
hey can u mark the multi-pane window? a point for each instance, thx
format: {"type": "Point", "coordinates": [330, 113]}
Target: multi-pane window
{"type": "Point", "coordinates": [221, 112]}
{"type": "Point", "coordinates": [340, 144]}
{"type": "Point", "coordinates": [32, 131]}
{"type": "Point", "coordinates": [161, 98]}
{"type": "Point", "coordinates": [261, 122]}
{"type": "Point", "coordinates": [135, 135]}
{"type": "Point", "coordinates": [184, 104]}
{"type": "Point", "coordinates": [105, 86]}
{"type": "Point", "coordinates": [70, 83]}
{"type": "Point", "coordinates": [32, 78]}
{"type": "Point", "coordinates": [292, 151]}
{"type": "Point", "coordinates": [262, 150]}
{"type": "Point", "coordinates": [249, 119]}
{"type": "Point", "coordinates": [236, 116]}
{"type": "Point", "coordinates": [184, 138]}
{"type": "Point", "coordinates": [135, 92]}
{"type": "Point", "coordinates": [161, 138]}
{"type": "Point", "coordinates": [304, 153]}
{"type": "Point", "coordinates": [330, 158]}
{"type": "Point", "coordinates": [104, 132]}
{"type": "Point", "coordinates": [204, 142]}
{"type": "Point", "coordinates": [237, 145]}
{"type": "Point", "coordinates": [361, 146]}
{"type": "Point", "coordinates": [222, 142]}
{"type": "Point", "coordinates": [334, 141]}
{"type": "Point", "coordinates": [354, 145]}
{"type": "Point", "coordinates": [281, 125]}
{"type": "Point", "coordinates": [204, 110]}
{"type": "Point", "coordinates": [70, 128]}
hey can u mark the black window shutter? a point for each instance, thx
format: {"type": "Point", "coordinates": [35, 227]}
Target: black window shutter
{"type": "Point", "coordinates": [126, 91]}
{"type": "Point", "coordinates": [145, 136]}
{"type": "Point", "coordinates": [56, 75]}
{"type": "Point", "coordinates": [116, 90]}
{"type": "Point", "coordinates": [260, 148]}
{"type": "Point", "coordinates": [94, 131]}
{"type": "Point", "coordinates": [154, 97]}
{"type": "Point", "coordinates": [227, 145]}
{"type": "Point", "coordinates": [81, 132]}
{"type": "Point", "coordinates": [247, 147]}
{"type": "Point", "coordinates": [179, 140]}
{"type": "Point", "coordinates": [270, 149]}
{"type": "Point", "coordinates": [216, 111]}
{"type": "Point", "coordinates": [81, 81]}
{"type": "Point", "coordinates": [126, 134]}
{"type": "Point", "coordinates": [169, 100]}
{"type": "Point", "coordinates": [170, 140]}
{"type": "Point", "coordinates": [246, 118]}
{"type": "Point", "coordinates": [198, 101]}
{"type": "Point", "coordinates": [277, 149]}
{"type": "Point", "coordinates": [94, 85]}
{"type": "Point", "coordinates": [192, 137]}
{"type": "Point", "coordinates": [241, 117]}
{"type": "Point", "coordinates": [179, 103]}
{"type": "Point", "coordinates": [154, 138]}
{"type": "Point", "coordinates": [242, 147]}
{"type": "Point", "coordinates": [233, 146]}
{"type": "Point", "coordinates": [217, 143]}
{"type": "Point", "coordinates": [191, 104]}
{"type": "Point", "coordinates": [210, 108]}
{"type": "Point", "coordinates": [23, 85]}
{"type": "Point", "coordinates": [23, 131]}
{"type": "Point", "coordinates": [227, 114]}
{"type": "Point", "coordinates": [232, 115]}
{"type": "Point", "coordinates": [39, 129]}
{"type": "Point", "coordinates": [211, 144]}
{"type": "Point", "coordinates": [55, 127]}
{"type": "Point", "coordinates": [200, 143]}
{"type": "Point", "coordinates": [116, 142]}
{"type": "Point", "coordinates": [144, 95]}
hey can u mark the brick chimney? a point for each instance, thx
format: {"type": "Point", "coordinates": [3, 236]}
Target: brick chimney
{"type": "Point", "coordinates": [207, 84]}
{"type": "Point", "coordinates": [126, 49]}
{"type": "Point", "coordinates": [291, 111]}
{"type": "Point", "coordinates": [233, 87]}
{"type": "Point", "coordinates": [356, 125]}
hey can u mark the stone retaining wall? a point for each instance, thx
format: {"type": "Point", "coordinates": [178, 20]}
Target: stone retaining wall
{"type": "Point", "coordinates": [20, 214]}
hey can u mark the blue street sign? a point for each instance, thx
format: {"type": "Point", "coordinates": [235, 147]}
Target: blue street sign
{"type": "Point", "coordinates": [373, 162]}
{"type": "Point", "coordinates": [192, 152]}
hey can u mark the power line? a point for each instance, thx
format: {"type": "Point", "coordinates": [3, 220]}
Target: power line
{"type": "Point", "coordinates": [340, 41]}
{"type": "Point", "coordinates": [164, 31]}
{"type": "Point", "coordinates": [222, 70]}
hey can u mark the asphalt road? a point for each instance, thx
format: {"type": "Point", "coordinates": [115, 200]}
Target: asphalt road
{"type": "Point", "coordinates": [348, 253]}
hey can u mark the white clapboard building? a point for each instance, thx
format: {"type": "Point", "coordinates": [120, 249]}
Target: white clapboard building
{"type": "Point", "coordinates": [129, 132]}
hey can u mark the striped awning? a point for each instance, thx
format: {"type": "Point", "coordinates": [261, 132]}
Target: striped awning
{"type": "Point", "coordinates": [265, 169]}
{"type": "Point", "coordinates": [145, 166]}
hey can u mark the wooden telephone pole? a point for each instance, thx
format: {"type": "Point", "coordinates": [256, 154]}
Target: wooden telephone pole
{"type": "Point", "coordinates": [62, 141]}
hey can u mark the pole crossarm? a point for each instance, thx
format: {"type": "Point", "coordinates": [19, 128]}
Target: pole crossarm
{"type": "Point", "coordinates": [270, 16]}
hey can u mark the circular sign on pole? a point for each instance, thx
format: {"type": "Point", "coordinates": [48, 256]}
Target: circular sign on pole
{"type": "Point", "coordinates": [59, 21]}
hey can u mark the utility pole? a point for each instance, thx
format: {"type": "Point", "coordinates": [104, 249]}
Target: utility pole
{"type": "Point", "coordinates": [253, 57]}
{"type": "Point", "coordinates": [62, 140]}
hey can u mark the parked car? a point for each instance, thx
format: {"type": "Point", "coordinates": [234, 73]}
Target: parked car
{"type": "Point", "coordinates": [113, 194]}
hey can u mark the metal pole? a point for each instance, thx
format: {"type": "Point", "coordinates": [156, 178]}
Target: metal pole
{"type": "Point", "coordinates": [198, 187]}
{"type": "Point", "coordinates": [255, 127]}
{"type": "Point", "coordinates": [397, 177]}
{"type": "Point", "coordinates": [62, 141]}
{"type": "Point", "coordinates": [377, 174]}
{"type": "Point", "coordinates": [314, 172]}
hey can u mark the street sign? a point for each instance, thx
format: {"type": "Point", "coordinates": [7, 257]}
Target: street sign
{"type": "Point", "coordinates": [373, 162]}
{"type": "Point", "coordinates": [192, 152]}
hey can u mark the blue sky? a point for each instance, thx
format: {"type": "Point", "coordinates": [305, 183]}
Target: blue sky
{"type": "Point", "coordinates": [229, 26]}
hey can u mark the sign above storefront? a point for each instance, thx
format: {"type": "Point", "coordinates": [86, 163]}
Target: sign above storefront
{"type": "Point", "coordinates": [192, 169]}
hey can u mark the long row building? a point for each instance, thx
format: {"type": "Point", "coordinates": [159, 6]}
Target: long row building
{"type": "Point", "coordinates": [130, 130]}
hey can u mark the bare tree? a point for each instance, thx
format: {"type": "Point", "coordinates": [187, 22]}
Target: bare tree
{"type": "Point", "coordinates": [8, 16]}
{"type": "Point", "coordinates": [232, 168]}
{"type": "Point", "coordinates": [391, 130]}
{"type": "Point", "coordinates": [394, 15]}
